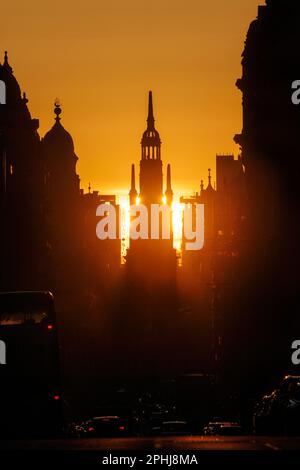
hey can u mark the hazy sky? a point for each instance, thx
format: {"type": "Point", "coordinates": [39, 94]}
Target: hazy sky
{"type": "Point", "coordinates": [101, 58]}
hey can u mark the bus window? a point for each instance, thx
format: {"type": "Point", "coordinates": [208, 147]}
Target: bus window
{"type": "Point", "coordinates": [21, 318]}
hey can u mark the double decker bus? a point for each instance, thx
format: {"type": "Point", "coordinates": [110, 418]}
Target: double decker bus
{"type": "Point", "coordinates": [30, 390]}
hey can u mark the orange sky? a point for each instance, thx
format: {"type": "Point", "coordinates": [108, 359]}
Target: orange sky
{"type": "Point", "coordinates": [101, 58]}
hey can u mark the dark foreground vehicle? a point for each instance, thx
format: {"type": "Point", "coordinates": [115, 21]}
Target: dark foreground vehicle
{"type": "Point", "coordinates": [279, 412]}
{"type": "Point", "coordinates": [175, 428]}
{"type": "Point", "coordinates": [106, 426]}
{"type": "Point", "coordinates": [30, 392]}
{"type": "Point", "coordinates": [223, 428]}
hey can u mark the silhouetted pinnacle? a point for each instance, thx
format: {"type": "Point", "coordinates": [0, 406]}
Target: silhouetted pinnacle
{"type": "Point", "coordinates": [133, 178]}
{"type": "Point", "coordinates": [209, 186]}
{"type": "Point", "coordinates": [169, 186]}
{"type": "Point", "coordinates": [6, 64]}
{"type": "Point", "coordinates": [133, 191]}
{"type": "Point", "coordinates": [25, 97]}
{"type": "Point", "coordinates": [169, 192]}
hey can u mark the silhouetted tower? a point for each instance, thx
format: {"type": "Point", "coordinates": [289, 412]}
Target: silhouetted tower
{"type": "Point", "coordinates": [151, 177]}
{"type": "Point", "coordinates": [151, 267]}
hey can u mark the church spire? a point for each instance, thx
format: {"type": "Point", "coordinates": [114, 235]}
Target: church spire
{"type": "Point", "coordinates": [151, 142]}
{"type": "Point", "coordinates": [150, 118]}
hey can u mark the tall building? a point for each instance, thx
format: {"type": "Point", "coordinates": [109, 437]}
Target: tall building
{"type": "Point", "coordinates": [270, 152]}
{"type": "Point", "coordinates": [22, 245]}
{"type": "Point", "coordinates": [144, 254]}
{"type": "Point", "coordinates": [270, 138]}
{"type": "Point", "coordinates": [151, 289]}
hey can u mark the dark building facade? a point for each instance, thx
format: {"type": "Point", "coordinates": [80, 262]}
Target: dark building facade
{"type": "Point", "coordinates": [270, 155]}
{"type": "Point", "coordinates": [22, 242]}
{"type": "Point", "coordinates": [270, 137]}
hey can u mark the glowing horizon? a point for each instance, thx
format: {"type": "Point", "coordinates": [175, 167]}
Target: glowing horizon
{"type": "Point", "coordinates": [101, 58]}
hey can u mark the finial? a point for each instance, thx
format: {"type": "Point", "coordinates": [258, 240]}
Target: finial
{"type": "Point", "coordinates": [90, 189]}
{"type": "Point", "coordinates": [150, 118]}
{"type": "Point", "coordinates": [201, 185]}
{"type": "Point", "coordinates": [209, 176]}
{"type": "Point", "coordinates": [6, 64]}
{"type": "Point", "coordinates": [25, 97]}
{"type": "Point", "coordinates": [57, 109]}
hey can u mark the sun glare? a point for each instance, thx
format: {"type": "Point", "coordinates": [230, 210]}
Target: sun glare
{"type": "Point", "coordinates": [177, 213]}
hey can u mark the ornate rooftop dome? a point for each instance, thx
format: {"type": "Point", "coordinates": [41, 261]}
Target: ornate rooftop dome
{"type": "Point", "coordinates": [58, 138]}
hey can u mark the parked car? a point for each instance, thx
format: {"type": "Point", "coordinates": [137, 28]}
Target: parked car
{"type": "Point", "coordinates": [223, 428]}
{"type": "Point", "coordinates": [175, 428]}
{"type": "Point", "coordinates": [106, 426]}
{"type": "Point", "coordinates": [279, 412]}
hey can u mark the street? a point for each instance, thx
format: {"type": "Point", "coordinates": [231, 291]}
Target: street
{"type": "Point", "coordinates": [199, 443]}
{"type": "Point", "coordinates": [136, 452]}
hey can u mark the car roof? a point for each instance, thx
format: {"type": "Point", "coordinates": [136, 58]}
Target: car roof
{"type": "Point", "coordinates": [105, 417]}
{"type": "Point", "coordinates": [292, 377]}
{"type": "Point", "coordinates": [174, 422]}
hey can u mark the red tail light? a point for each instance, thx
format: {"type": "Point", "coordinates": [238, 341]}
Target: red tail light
{"type": "Point", "coordinates": [91, 429]}
{"type": "Point", "coordinates": [49, 327]}
{"type": "Point", "coordinates": [56, 397]}
{"type": "Point", "coordinates": [121, 428]}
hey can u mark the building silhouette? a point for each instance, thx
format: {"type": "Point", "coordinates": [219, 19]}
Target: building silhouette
{"type": "Point", "coordinates": [144, 254]}
{"type": "Point", "coordinates": [151, 267]}
{"type": "Point", "coordinates": [270, 156]}
{"type": "Point", "coordinates": [21, 192]}
{"type": "Point", "coordinates": [48, 223]}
